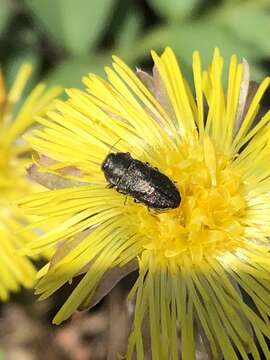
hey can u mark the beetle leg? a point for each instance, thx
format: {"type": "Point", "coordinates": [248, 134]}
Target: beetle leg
{"type": "Point", "coordinates": [120, 191]}
{"type": "Point", "coordinates": [110, 186]}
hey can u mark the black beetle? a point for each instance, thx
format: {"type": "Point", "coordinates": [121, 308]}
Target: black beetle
{"type": "Point", "coordinates": [141, 181]}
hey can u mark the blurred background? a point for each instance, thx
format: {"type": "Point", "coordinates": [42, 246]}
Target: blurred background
{"type": "Point", "coordinates": [66, 39]}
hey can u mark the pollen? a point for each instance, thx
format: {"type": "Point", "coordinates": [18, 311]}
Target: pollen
{"type": "Point", "coordinates": [209, 220]}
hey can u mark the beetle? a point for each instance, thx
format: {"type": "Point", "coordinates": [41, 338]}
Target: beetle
{"type": "Point", "coordinates": [141, 181]}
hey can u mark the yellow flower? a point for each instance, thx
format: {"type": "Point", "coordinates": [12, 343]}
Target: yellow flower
{"type": "Point", "coordinates": [195, 261]}
{"type": "Point", "coordinates": [16, 270]}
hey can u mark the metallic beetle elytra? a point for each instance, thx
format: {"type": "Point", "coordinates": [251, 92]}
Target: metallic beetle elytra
{"type": "Point", "coordinates": [141, 181]}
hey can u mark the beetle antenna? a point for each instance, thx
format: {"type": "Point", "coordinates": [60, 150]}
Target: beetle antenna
{"type": "Point", "coordinates": [112, 146]}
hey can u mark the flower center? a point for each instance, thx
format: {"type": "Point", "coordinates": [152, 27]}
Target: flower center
{"type": "Point", "coordinates": [210, 217]}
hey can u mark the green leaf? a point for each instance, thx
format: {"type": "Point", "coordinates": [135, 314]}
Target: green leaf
{"type": "Point", "coordinates": [47, 13]}
{"type": "Point", "coordinates": [250, 22]}
{"type": "Point", "coordinates": [5, 14]}
{"type": "Point", "coordinates": [70, 72]}
{"type": "Point", "coordinates": [205, 37]}
{"type": "Point", "coordinates": [202, 36]}
{"type": "Point", "coordinates": [75, 25]}
{"type": "Point", "coordinates": [130, 30]}
{"type": "Point", "coordinates": [186, 38]}
{"type": "Point", "coordinates": [174, 9]}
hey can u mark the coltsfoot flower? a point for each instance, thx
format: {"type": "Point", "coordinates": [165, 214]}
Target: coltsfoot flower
{"type": "Point", "coordinates": [15, 269]}
{"type": "Point", "coordinates": [195, 261]}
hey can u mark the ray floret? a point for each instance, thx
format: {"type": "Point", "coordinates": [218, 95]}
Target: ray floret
{"type": "Point", "coordinates": [17, 270]}
{"type": "Point", "coordinates": [195, 262]}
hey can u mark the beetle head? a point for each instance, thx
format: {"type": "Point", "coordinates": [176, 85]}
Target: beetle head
{"type": "Point", "coordinates": [115, 166]}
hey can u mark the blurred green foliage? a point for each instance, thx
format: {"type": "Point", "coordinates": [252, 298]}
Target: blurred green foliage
{"type": "Point", "coordinates": [66, 39]}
